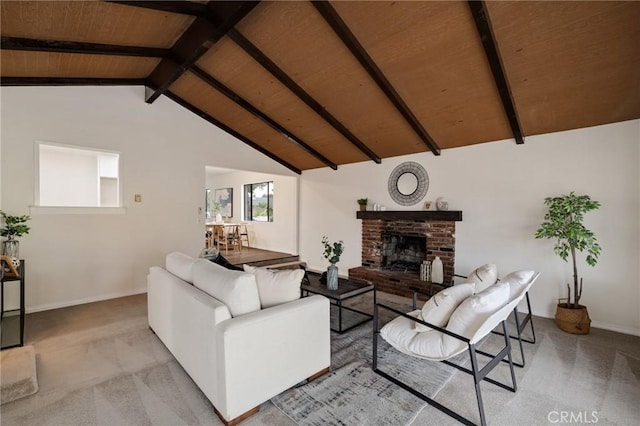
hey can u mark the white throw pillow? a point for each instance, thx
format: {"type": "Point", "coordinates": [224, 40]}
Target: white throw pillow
{"type": "Point", "coordinates": [236, 289]}
{"type": "Point", "coordinates": [276, 286]}
{"type": "Point", "coordinates": [180, 265]}
{"type": "Point", "coordinates": [471, 313]}
{"type": "Point", "coordinates": [484, 276]}
{"type": "Point", "coordinates": [439, 308]}
{"type": "Point", "coordinates": [517, 281]}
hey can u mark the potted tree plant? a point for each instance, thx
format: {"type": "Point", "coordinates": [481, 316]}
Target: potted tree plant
{"type": "Point", "coordinates": [563, 222]}
{"type": "Point", "coordinates": [362, 202]}
{"type": "Point", "coordinates": [15, 227]}
{"type": "Point", "coordinates": [332, 252]}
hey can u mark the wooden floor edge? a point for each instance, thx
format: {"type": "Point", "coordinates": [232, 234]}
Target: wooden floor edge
{"type": "Point", "coordinates": [238, 419]}
{"type": "Point", "coordinates": [318, 374]}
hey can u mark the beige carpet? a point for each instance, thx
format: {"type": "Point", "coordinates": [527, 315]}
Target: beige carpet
{"type": "Point", "coordinates": [18, 373]}
{"type": "Point", "coordinates": [98, 364]}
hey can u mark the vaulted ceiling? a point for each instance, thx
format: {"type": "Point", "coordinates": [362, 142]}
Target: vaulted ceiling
{"type": "Point", "coordinates": [320, 84]}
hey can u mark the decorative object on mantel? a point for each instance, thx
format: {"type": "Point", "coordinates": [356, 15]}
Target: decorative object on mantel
{"type": "Point", "coordinates": [563, 222]}
{"type": "Point", "coordinates": [15, 226]}
{"type": "Point", "coordinates": [425, 271]}
{"type": "Point", "coordinates": [427, 205]}
{"type": "Point", "coordinates": [437, 273]}
{"type": "Point", "coordinates": [408, 183]}
{"type": "Point", "coordinates": [332, 252]}
{"type": "Point", "coordinates": [442, 204]}
{"type": "Point", "coordinates": [362, 202]}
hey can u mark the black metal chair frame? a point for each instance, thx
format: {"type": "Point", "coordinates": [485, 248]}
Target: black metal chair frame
{"type": "Point", "coordinates": [479, 374]}
{"type": "Point", "coordinates": [521, 324]}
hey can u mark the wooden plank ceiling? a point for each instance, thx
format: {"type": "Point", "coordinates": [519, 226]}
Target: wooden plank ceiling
{"type": "Point", "coordinates": [323, 84]}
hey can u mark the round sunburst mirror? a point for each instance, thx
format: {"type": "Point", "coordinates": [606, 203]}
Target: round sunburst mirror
{"type": "Point", "coordinates": [408, 183]}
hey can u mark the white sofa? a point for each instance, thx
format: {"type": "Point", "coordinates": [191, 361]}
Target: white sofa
{"type": "Point", "coordinates": [238, 354]}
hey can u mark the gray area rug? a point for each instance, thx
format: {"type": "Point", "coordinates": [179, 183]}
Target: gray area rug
{"type": "Point", "coordinates": [352, 394]}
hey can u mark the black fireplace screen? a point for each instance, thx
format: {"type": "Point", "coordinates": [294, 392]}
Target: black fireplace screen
{"type": "Point", "coordinates": [403, 252]}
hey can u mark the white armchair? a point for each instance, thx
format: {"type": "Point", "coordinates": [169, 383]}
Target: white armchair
{"type": "Point", "coordinates": [459, 325]}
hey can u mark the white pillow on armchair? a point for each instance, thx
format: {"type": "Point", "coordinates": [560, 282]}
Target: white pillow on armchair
{"type": "Point", "coordinates": [439, 308]}
{"type": "Point", "coordinates": [485, 276]}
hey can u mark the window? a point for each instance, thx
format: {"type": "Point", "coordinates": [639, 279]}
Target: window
{"type": "Point", "coordinates": [77, 177]}
{"type": "Point", "coordinates": [258, 202]}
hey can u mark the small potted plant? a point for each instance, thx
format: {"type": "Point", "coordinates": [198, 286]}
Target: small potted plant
{"type": "Point", "coordinates": [15, 227]}
{"type": "Point", "coordinates": [563, 222]}
{"type": "Point", "coordinates": [363, 204]}
{"type": "Point", "coordinates": [332, 252]}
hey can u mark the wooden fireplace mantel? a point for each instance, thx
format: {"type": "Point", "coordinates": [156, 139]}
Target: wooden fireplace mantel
{"type": "Point", "coordinates": [451, 215]}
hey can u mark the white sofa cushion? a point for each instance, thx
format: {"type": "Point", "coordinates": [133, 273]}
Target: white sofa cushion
{"type": "Point", "coordinates": [484, 276]}
{"type": "Point", "coordinates": [276, 286]}
{"type": "Point", "coordinates": [181, 265]}
{"type": "Point", "coordinates": [236, 289]}
{"type": "Point", "coordinates": [439, 308]}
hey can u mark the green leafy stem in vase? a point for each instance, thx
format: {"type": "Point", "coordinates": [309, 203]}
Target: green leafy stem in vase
{"type": "Point", "coordinates": [332, 251]}
{"type": "Point", "coordinates": [15, 226]}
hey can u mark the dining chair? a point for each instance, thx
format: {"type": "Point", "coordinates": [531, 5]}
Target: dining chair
{"type": "Point", "coordinates": [226, 237]}
{"type": "Point", "coordinates": [243, 233]}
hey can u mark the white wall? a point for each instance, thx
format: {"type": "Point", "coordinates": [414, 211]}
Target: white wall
{"type": "Point", "coordinates": [500, 187]}
{"type": "Point", "coordinates": [279, 235]}
{"type": "Point", "coordinates": [78, 258]}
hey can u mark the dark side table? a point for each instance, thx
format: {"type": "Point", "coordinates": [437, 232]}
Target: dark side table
{"type": "Point", "coordinates": [12, 321]}
{"type": "Point", "coordinates": [347, 289]}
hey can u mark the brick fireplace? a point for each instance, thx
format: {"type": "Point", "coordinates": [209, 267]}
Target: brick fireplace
{"type": "Point", "coordinates": [378, 227]}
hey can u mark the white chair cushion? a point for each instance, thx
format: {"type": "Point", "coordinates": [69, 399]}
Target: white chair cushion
{"type": "Point", "coordinates": [236, 289]}
{"type": "Point", "coordinates": [276, 286]}
{"type": "Point", "coordinates": [471, 313]}
{"type": "Point", "coordinates": [439, 308]}
{"type": "Point", "coordinates": [402, 335]}
{"type": "Point", "coordinates": [181, 265]}
{"type": "Point", "coordinates": [484, 276]}
{"type": "Point", "coordinates": [399, 332]}
{"type": "Point", "coordinates": [466, 319]}
{"type": "Point", "coordinates": [518, 281]}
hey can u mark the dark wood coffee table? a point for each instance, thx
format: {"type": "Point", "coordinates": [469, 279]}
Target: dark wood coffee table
{"type": "Point", "coordinates": [347, 289]}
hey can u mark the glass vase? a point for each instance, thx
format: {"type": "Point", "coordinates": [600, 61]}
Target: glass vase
{"type": "Point", "coordinates": [11, 248]}
{"type": "Point", "coordinates": [332, 277]}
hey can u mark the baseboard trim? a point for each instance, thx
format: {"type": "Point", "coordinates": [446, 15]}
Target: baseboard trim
{"type": "Point", "coordinates": [594, 324]}
{"type": "Point", "coordinates": [49, 306]}
{"type": "Point", "coordinates": [617, 328]}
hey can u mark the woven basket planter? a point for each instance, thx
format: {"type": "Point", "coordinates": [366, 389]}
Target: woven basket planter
{"type": "Point", "coordinates": [573, 320]}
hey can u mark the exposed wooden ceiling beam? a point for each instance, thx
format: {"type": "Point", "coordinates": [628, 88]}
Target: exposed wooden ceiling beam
{"type": "Point", "coordinates": [18, 43]}
{"type": "Point", "coordinates": [210, 80]}
{"type": "Point", "coordinates": [70, 81]}
{"type": "Point", "coordinates": [229, 130]}
{"type": "Point", "coordinates": [358, 51]}
{"type": "Point", "coordinates": [483, 25]}
{"type": "Point", "coordinates": [288, 82]}
{"type": "Point", "coordinates": [181, 7]}
{"type": "Point", "coordinates": [196, 40]}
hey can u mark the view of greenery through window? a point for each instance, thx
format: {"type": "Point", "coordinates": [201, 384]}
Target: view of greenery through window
{"type": "Point", "coordinates": [258, 202]}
